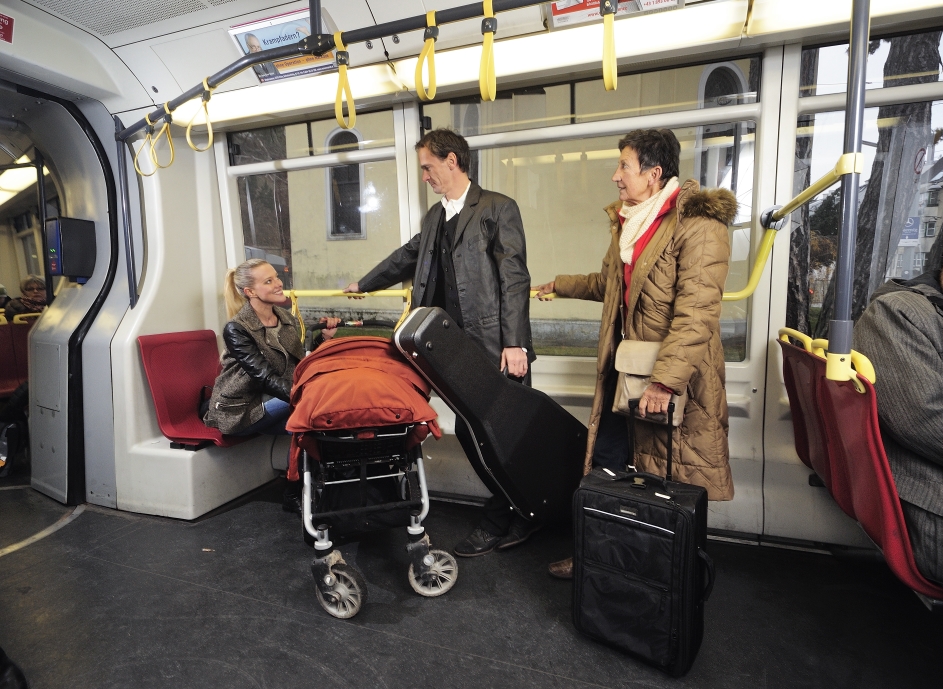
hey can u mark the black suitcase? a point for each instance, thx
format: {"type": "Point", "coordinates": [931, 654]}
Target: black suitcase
{"type": "Point", "coordinates": [640, 571]}
{"type": "Point", "coordinates": [529, 444]}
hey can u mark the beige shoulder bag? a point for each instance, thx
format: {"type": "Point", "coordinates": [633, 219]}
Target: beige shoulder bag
{"type": "Point", "coordinates": [635, 361]}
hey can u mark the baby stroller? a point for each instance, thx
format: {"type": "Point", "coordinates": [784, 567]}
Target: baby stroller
{"type": "Point", "coordinates": [360, 415]}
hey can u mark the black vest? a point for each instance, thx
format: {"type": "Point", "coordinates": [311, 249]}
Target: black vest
{"type": "Point", "coordinates": [443, 292]}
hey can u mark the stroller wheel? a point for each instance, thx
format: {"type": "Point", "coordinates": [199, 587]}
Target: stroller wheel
{"type": "Point", "coordinates": [348, 593]}
{"type": "Point", "coordinates": [437, 578]}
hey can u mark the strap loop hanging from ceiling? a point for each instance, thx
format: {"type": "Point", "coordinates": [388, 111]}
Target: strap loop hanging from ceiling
{"type": "Point", "coordinates": [427, 55]}
{"type": "Point", "coordinates": [207, 94]}
{"type": "Point", "coordinates": [487, 83]}
{"type": "Point", "coordinates": [343, 87]}
{"type": "Point", "coordinates": [610, 71]}
{"type": "Point", "coordinates": [147, 143]}
{"type": "Point", "coordinates": [296, 312]}
{"type": "Point", "coordinates": [164, 131]}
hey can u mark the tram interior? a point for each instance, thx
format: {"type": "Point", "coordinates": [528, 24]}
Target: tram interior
{"type": "Point", "coordinates": [128, 560]}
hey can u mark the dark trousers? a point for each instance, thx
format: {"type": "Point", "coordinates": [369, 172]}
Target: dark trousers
{"type": "Point", "coordinates": [611, 450]}
{"type": "Point", "coordinates": [497, 510]}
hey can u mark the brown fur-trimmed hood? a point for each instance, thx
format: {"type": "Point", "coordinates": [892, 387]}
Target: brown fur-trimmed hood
{"type": "Point", "coordinates": [716, 204]}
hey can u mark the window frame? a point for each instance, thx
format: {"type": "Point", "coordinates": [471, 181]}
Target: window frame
{"type": "Point", "coordinates": [328, 188]}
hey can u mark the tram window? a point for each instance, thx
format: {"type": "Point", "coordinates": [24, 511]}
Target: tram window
{"type": "Point", "coordinates": [562, 188]}
{"type": "Point", "coordinates": [669, 90]}
{"type": "Point", "coordinates": [897, 61]}
{"type": "Point", "coordinates": [307, 139]}
{"type": "Point", "coordinates": [903, 163]}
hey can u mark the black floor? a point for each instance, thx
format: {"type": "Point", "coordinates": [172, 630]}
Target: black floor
{"type": "Point", "coordinates": [118, 600]}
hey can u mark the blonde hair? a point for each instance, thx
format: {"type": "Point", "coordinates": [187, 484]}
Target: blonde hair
{"type": "Point", "coordinates": [237, 279]}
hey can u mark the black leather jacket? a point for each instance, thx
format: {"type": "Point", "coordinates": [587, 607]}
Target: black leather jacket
{"type": "Point", "coordinates": [490, 258]}
{"type": "Point", "coordinates": [256, 363]}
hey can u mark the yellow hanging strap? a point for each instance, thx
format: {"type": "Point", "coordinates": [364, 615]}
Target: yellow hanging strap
{"type": "Point", "coordinates": [148, 143]}
{"type": "Point", "coordinates": [343, 87]}
{"type": "Point", "coordinates": [164, 131]}
{"type": "Point", "coordinates": [610, 75]}
{"type": "Point", "coordinates": [207, 94]}
{"type": "Point", "coordinates": [427, 56]}
{"type": "Point", "coordinates": [487, 83]}
{"type": "Point", "coordinates": [296, 312]}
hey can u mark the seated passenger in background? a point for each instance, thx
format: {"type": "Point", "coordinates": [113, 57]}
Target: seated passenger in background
{"type": "Point", "coordinates": [263, 346]}
{"type": "Point", "coordinates": [32, 299]}
{"type": "Point", "coordinates": [901, 332]}
{"type": "Point", "coordinates": [4, 297]}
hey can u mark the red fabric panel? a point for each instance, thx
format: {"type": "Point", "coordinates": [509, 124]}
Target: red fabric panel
{"type": "Point", "coordinates": [20, 333]}
{"type": "Point", "coordinates": [177, 366]}
{"type": "Point", "coordinates": [9, 370]}
{"type": "Point", "coordinates": [355, 382]}
{"type": "Point", "coordinates": [860, 476]}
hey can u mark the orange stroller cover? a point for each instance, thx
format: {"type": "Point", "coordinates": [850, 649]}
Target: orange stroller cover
{"type": "Point", "coordinates": [356, 382]}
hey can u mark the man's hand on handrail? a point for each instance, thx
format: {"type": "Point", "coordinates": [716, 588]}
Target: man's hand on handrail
{"type": "Point", "coordinates": [544, 290]}
{"type": "Point", "coordinates": [353, 289]}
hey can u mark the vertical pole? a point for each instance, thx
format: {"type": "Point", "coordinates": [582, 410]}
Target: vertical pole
{"type": "Point", "coordinates": [840, 328]}
{"type": "Point", "coordinates": [126, 215]}
{"type": "Point", "coordinates": [314, 10]}
{"type": "Point", "coordinates": [41, 192]}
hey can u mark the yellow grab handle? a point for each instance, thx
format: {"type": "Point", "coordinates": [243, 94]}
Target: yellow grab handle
{"type": "Point", "coordinates": [610, 70]}
{"type": "Point", "coordinates": [487, 82]}
{"type": "Point", "coordinates": [427, 56]}
{"type": "Point", "coordinates": [21, 318]}
{"type": "Point", "coordinates": [164, 131]}
{"type": "Point", "coordinates": [848, 163]}
{"type": "Point", "coordinates": [148, 143]}
{"type": "Point", "coordinates": [207, 94]}
{"type": "Point", "coordinates": [405, 294]}
{"type": "Point", "coordinates": [297, 314]}
{"type": "Point", "coordinates": [343, 87]}
{"type": "Point", "coordinates": [786, 333]}
{"type": "Point", "coordinates": [766, 246]}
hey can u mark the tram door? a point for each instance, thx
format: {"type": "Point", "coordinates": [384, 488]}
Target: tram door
{"type": "Point", "coordinates": [70, 408]}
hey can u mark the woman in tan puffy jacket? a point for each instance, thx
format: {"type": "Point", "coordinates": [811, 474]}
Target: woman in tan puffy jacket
{"type": "Point", "coordinates": [670, 246]}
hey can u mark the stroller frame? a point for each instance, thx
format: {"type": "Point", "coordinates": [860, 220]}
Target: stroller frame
{"type": "Point", "coordinates": [342, 590]}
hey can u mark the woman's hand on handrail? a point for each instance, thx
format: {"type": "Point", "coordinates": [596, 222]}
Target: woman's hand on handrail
{"type": "Point", "coordinates": [544, 290]}
{"type": "Point", "coordinates": [353, 289]}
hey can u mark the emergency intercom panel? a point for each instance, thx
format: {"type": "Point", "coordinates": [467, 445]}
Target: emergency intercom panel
{"type": "Point", "coordinates": [70, 247]}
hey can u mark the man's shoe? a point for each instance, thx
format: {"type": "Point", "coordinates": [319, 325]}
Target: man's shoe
{"type": "Point", "coordinates": [562, 569]}
{"type": "Point", "coordinates": [479, 542]}
{"type": "Point", "coordinates": [521, 529]}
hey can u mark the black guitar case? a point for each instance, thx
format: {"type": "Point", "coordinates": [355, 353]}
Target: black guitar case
{"type": "Point", "coordinates": [529, 444]}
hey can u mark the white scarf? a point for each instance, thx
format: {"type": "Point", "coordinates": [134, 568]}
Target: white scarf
{"type": "Point", "coordinates": [639, 218]}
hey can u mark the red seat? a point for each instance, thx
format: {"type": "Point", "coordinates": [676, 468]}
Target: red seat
{"type": "Point", "coordinates": [178, 366]}
{"type": "Point", "coordinates": [9, 370]}
{"type": "Point", "coordinates": [20, 338]}
{"type": "Point", "coordinates": [804, 371]}
{"type": "Point", "coordinates": [860, 477]}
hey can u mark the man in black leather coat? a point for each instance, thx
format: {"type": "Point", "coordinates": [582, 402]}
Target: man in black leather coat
{"type": "Point", "coordinates": [470, 259]}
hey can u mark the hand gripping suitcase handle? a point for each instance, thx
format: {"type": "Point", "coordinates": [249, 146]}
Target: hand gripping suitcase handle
{"type": "Point", "coordinates": [708, 565]}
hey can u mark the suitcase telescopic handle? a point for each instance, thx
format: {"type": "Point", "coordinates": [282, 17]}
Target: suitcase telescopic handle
{"type": "Point", "coordinates": [708, 563]}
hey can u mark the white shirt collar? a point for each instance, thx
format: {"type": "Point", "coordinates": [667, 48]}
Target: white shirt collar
{"type": "Point", "coordinates": [455, 207]}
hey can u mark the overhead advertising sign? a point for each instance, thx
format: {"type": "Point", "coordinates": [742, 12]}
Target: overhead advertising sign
{"type": "Point", "coordinates": [6, 28]}
{"type": "Point", "coordinates": [274, 32]}
{"type": "Point", "coordinates": [572, 12]}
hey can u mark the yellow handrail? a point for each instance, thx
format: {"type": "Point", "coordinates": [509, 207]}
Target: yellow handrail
{"type": "Point", "coordinates": [759, 265]}
{"type": "Point", "coordinates": [610, 70]}
{"type": "Point", "coordinates": [838, 366]}
{"type": "Point", "coordinates": [427, 55]}
{"type": "Point", "coordinates": [487, 83]}
{"type": "Point", "coordinates": [343, 87]}
{"type": "Point", "coordinates": [848, 163]}
{"type": "Point", "coordinates": [3, 319]}
{"type": "Point", "coordinates": [21, 318]}
{"type": "Point", "coordinates": [405, 294]}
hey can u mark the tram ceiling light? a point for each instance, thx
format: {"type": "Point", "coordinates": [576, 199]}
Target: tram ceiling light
{"type": "Point", "coordinates": [688, 29]}
{"type": "Point", "coordinates": [12, 182]}
{"type": "Point", "coordinates": [783, 16]}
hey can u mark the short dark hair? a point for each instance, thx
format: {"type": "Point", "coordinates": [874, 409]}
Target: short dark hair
{"type": "Point", "coordinates": [654, 147]}
{"type": "Point", "coordinates": [441, 142]}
